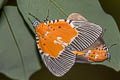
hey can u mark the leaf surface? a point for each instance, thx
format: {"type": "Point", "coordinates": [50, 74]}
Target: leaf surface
{"type": "Point", "coordinates": [18, 54]}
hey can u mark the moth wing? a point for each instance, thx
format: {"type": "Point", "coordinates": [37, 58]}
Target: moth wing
{"type": "Point", "coordinates": [60, 65]}
{"type": "Point", "coordinates": [81, 59]}
{"type": "Point", "coordinates": [88, 33]}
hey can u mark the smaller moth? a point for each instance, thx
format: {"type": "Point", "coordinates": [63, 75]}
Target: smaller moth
{"type": "Point", "coordinates": [63, 42]}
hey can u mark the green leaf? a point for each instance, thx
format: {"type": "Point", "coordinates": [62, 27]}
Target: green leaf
{"type": "Point", "coordinates": [18, 54]}
{"type": "Point", "coordinates": [89, 9]}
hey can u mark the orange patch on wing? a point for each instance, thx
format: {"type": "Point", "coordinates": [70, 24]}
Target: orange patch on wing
{"type": "Point", "coordinates": [53, 37]}
{"type": "Point", "coordinates": [98, 54]}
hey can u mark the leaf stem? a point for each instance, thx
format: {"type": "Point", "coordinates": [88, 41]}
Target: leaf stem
{"type": "Point", "coordinates": [59, 8]}
{"type": "Point", "coordinates": [19, 50]}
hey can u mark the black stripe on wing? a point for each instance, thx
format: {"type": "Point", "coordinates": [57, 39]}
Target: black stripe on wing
{"type": "Point", "coordinates": [61, 65]}
{"type": "Point", "coordinates": [88, 33]}
{"type": "Point", "coordinates": [37, 41]}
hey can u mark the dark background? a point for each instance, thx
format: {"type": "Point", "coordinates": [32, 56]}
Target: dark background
{"type": "Point", "coordinates": [89, 72]}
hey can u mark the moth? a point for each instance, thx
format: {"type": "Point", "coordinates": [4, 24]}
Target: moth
{"type": "Point", "coordinates": [63, 42]}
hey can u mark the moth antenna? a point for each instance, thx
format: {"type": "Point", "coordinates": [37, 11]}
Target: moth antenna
{"type": "Point", "coordinates": [34, 17]}
{"type": "Point", "coordinates": [112, 46]}
{"type": "Point", "coordinates": [46, 19]}
{"type": "Point", "coordinates": [30, 21]}
{"type": "Point", "coordinates": [47, 15]}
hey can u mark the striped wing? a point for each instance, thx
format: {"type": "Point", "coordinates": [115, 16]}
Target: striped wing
{"type": "Point", "coordinates": [60, 65]}
{"type": "Point", "coordinates": [88, 34]}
